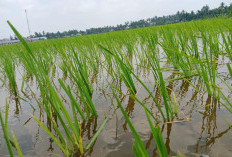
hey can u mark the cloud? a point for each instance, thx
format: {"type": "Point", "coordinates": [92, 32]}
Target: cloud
{"type": "Point", "coordinates": [60, 15]}
{"type": "Point", "coordinates": [27, 4]}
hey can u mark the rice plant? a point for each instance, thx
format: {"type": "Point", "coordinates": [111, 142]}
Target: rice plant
{"type": "Point", "coordinates": [10, 139]}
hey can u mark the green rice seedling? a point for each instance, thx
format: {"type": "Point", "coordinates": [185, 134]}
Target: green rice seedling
{"type": "Point", "coordinates": [208, 70]}
{"type": "Point", "coordinates": [205, 63]}
{"type": "Point", "coordinates": [145, 108]}
{"type": "Point", "coordinates": [178, 56]}
{"type": "Point", "coordinates": [70, 125]}
{"type": "Point", "coordinates": [158, 138]}
{"type": "Point", "coordinates": [108, 59]}
{"type": "Point", "coordinates": [81, 67]}
{"type": "Point", "coordinates": [53, 105]}
{"type": "Point", "coordinates": [23, 83]}
{"type": "Point", "coordinates": [79, 74]}
{"type": "Point", "coordinates": [229, 68]}
{"type": "Point", "coordinates": [129, 44]}
{"type": "Point", "coordinates": [7, 136]}
{"type": "Point", "coordinates": [8, 67]}
{"type": "Point", "coordinates": [175, 103]}
{"type": "Point", "coordinates": [193, 47]}
{"type": "Point", "coordinates": [125, 71]}
{"type": "Point", "coordinates": [136, 99]}
{"type": "Point", "coordinates": [92, 57]}
{"type": "Point", "coordinates": [20, 154]}
{"type": "Point", "coordinates": [5, 132]}
{"type": "Point", "coordinates": [150, 93]}
{"type": "Point", "coordinates": [227, 103]}
{"type": "Point", "coordinates": [130, 84]}
{"type": "Point", "coordinates": [73, 101]}
{"type": "Point", "coordinates": [158, 76]}
{"type": "Point", "coordinates": [138, 146]}
{"type": "Point", "coordinates": [74, 64]}
{"type": "Point", "coordinates": [214, 44]}
{"type": "Point", "coordinates": [34, 66]}
{"type": "Point", "coordinates": [96, 135]}
{"type": "Point", "coordinates": [227, 42]}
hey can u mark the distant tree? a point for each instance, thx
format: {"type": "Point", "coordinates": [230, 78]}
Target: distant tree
{"type": "Point", "coordinates": [205, 10]}
{"type": "Point", "coordinates": [230, 10]}
{"type": "Point", "coordinates": [183, 16]}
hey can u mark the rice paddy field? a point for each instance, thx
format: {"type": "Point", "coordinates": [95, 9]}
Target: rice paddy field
{"type": "Point", "coordinates": [156, 91]}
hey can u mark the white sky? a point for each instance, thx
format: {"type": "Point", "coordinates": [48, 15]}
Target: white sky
{"type": "Point", "coordinates": [61, 15]}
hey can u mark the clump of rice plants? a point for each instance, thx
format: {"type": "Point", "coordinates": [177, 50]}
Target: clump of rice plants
{"type": "Point", "coordinates": [8, 69]}
{"type": "Point", "coordinates": [53, 106]}
{"type": "Point", "coordinates": [73, 79]}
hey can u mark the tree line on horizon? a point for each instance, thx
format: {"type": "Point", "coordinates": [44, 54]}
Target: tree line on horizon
{"type": "Point", "coordinates": [180, 16]}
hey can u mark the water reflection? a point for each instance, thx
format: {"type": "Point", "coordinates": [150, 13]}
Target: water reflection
{"type": "Point", "coordinates": [129, 110]}
{"type": "Point", "coordinates": [89, 129]}
{"type": "Point", "coordinates": [167, 140]}
{"type": "Point", "coordinates": [209, 122]}
{"type": "Point", "coordinates": [17, 105]}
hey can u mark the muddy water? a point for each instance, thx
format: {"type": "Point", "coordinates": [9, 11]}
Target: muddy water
{"type": "Point", "coordinates": [206, 131]}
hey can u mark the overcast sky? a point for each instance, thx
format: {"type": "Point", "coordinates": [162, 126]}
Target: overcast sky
{"type": "Point", "coordinates": [61, 15]}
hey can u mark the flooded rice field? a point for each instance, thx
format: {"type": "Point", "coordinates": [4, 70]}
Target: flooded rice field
{"type": "Point", "coordinates": [200, 127]}
{"type": "Point", "coordinates": [72, 97]}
